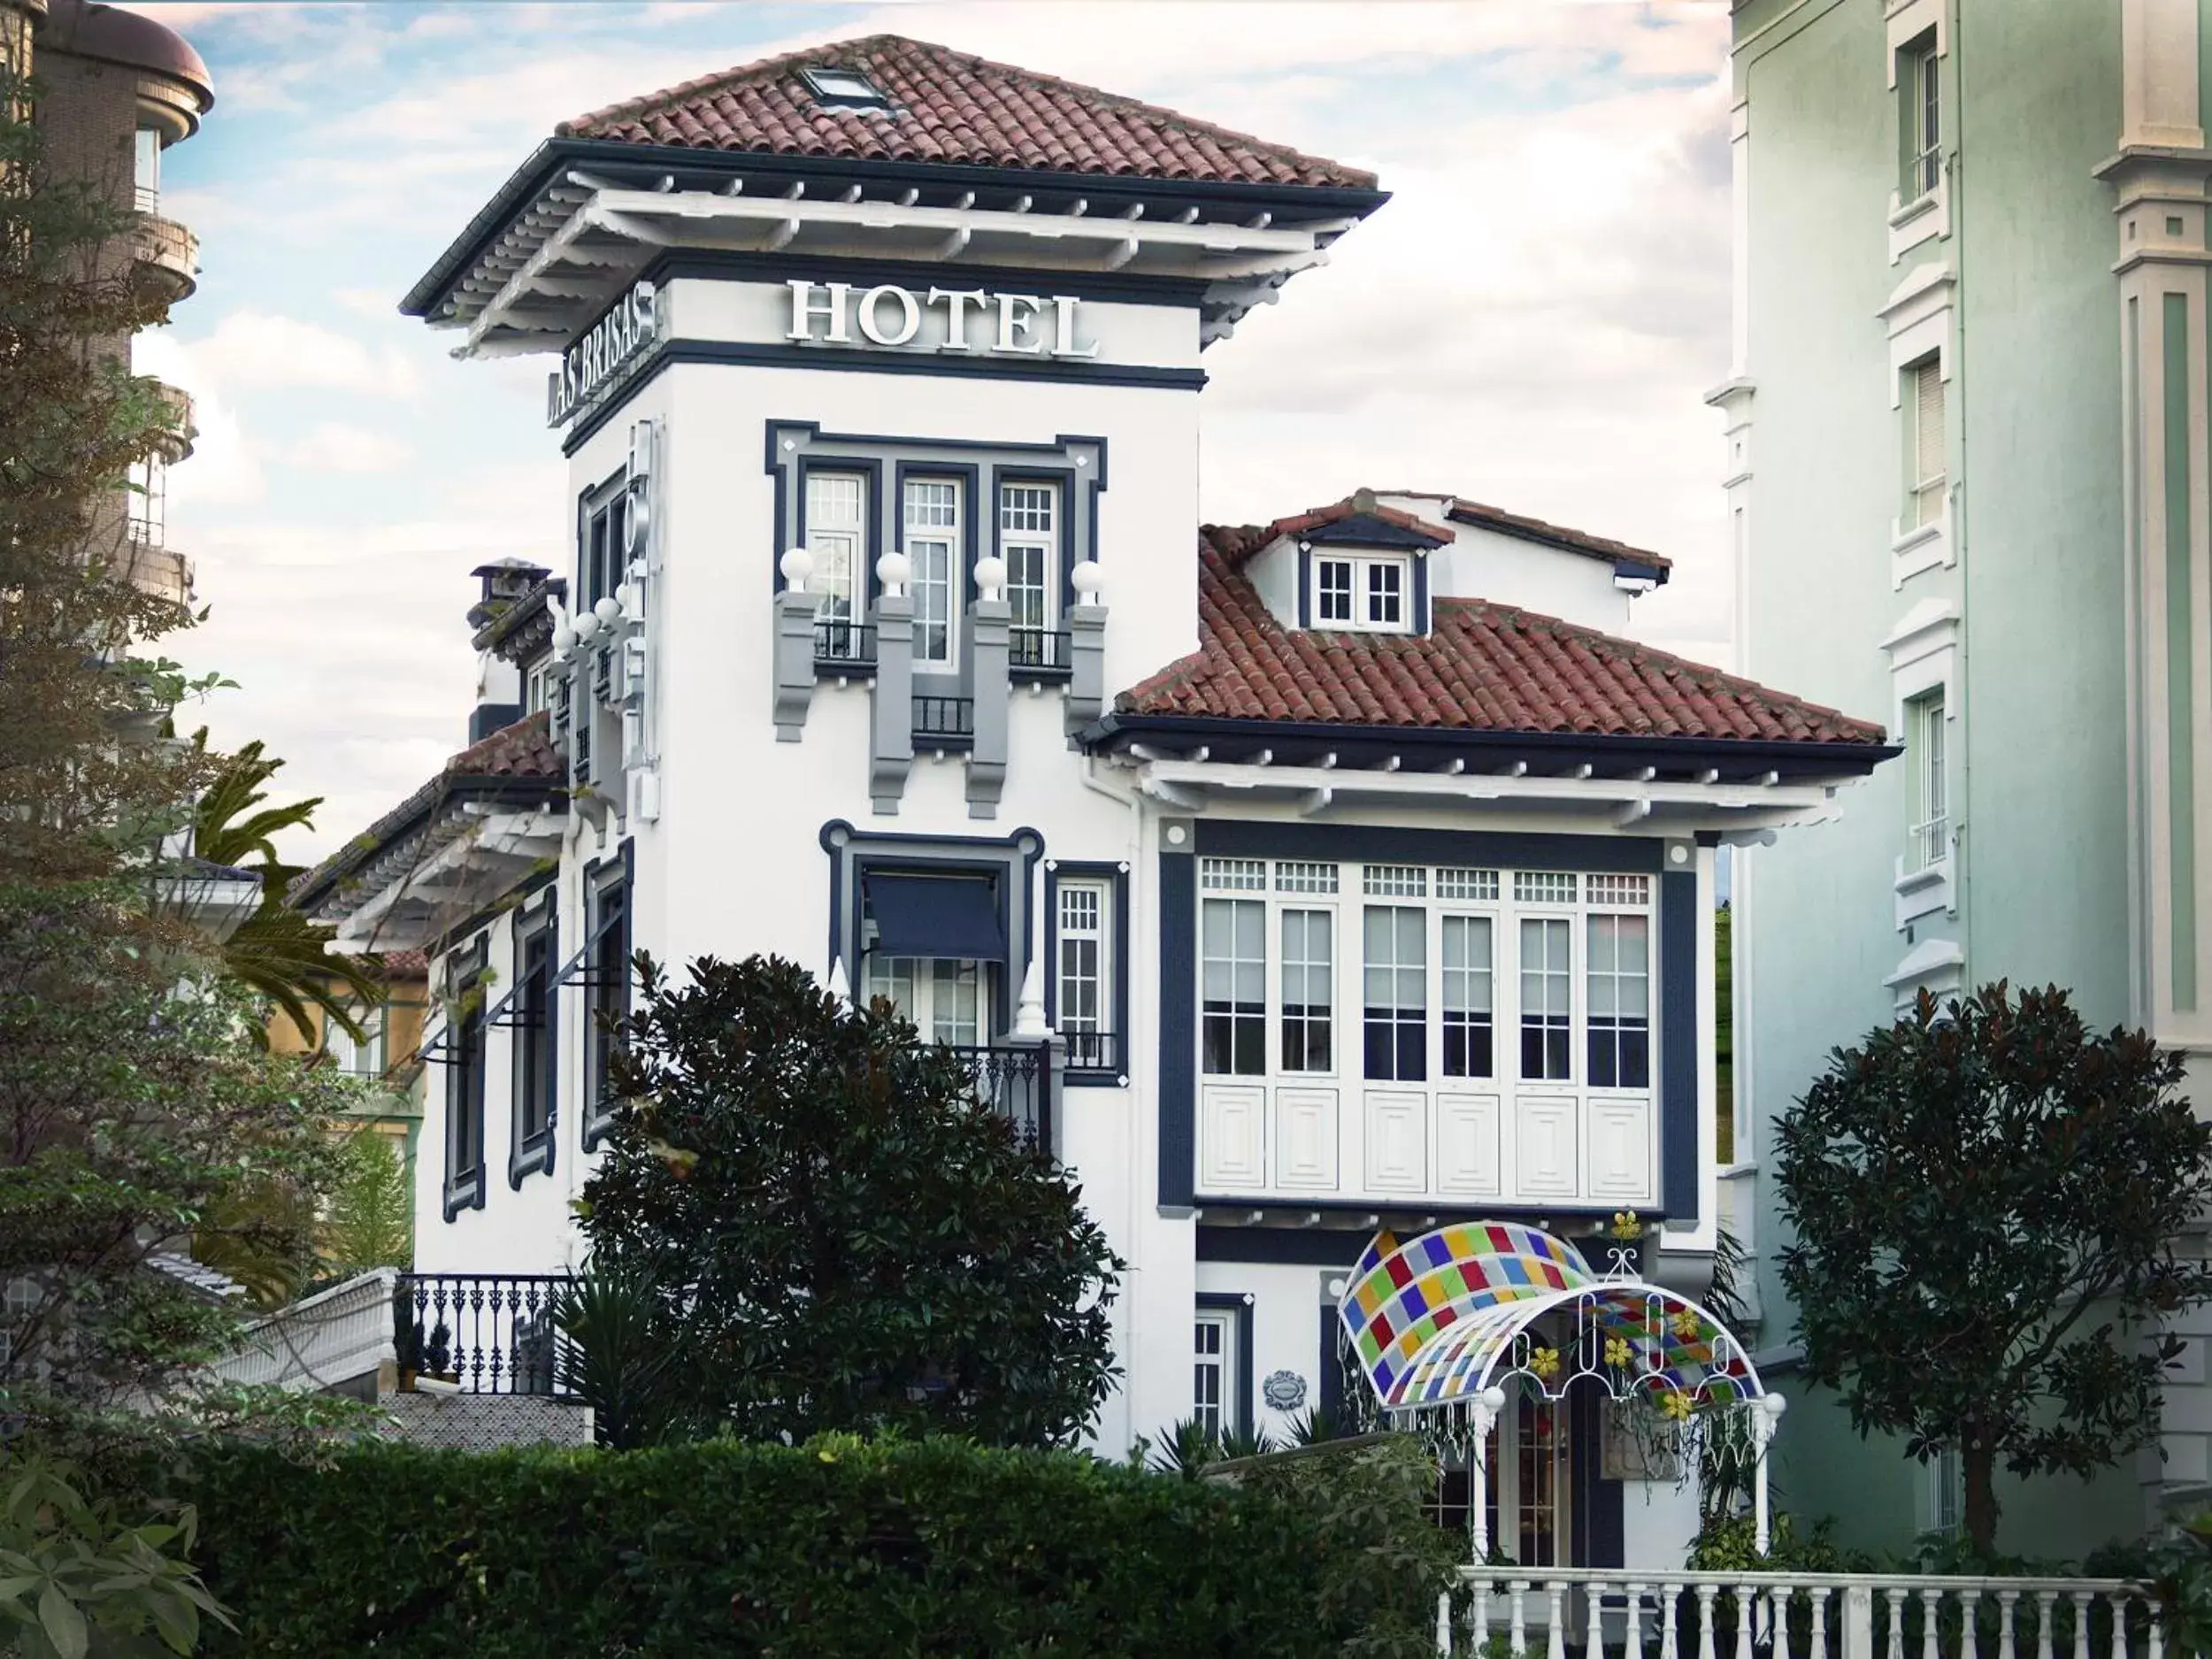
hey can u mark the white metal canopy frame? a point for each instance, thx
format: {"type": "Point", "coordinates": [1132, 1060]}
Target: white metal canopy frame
{"type": "Point", "coordinates": [1440, 1324]}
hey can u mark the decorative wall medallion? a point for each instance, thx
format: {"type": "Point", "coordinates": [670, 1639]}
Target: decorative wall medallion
{"type": "Point", "coordinates": [1283, 1390]}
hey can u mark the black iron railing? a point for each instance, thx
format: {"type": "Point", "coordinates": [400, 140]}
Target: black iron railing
{"type": "Point", "coordinates": [845, 644]}
{"type": "Point", "coordinates": [1015, 1080]}
{"type": "Point", "coordinates": [488, 1333]}
{"type": "Point", "coordinates": [1039, 651]}
{"type": "Point", "coordinates": [944, 716]}
{"type": "Point", "coordinates": [1093, 1050]}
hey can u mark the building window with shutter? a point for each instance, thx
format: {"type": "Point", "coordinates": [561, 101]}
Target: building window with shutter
{"type": "Point", "coordinates": [1927, 471]}
{"type": "Point", "coordinates": [1927, 740]}
{"type": "Point", "coordinates": [1919, 119]}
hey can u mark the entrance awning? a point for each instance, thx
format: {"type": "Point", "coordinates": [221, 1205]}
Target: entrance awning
{"type": "Point", "coordinates": [948, 916]}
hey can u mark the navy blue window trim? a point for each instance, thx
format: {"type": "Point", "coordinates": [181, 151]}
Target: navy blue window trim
{"type": "Point", "coordinates": [1062, 479]}
{"type": "Point", "coordinates": [1179, 1028]}
{"type": "Point", "coordinates": [1116, 876]}
{"type": "Point", "coordinates": [599, 571]}
{"type": "Point", "coordinates": [1678, 1028]}
{"type": "Point", "coordinates": [1238, 1303]}
{"type": "Point", "coordinates": [610, 900]}
{"type": "Point", "coordinates": [532, 1028]}
{"type": "Point", "coordinates": [466, 972]}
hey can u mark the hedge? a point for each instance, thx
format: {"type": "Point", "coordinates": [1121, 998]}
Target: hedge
{"type": "Point", "coordinates": [839, 1548]}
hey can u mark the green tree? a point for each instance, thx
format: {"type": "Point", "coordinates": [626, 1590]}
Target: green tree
{"type": "Point", "coordinates": [1986, 1202]}
{"type": "Point", "coordinates": [841, 1239]}
{"type": "Point", "coordinates": [277, 952]}
{"type": "Point", "coordinates": [371, 1217]}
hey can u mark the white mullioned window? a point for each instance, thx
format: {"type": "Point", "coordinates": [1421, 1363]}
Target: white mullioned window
{"type": "Point", "coordinates": [836, 535]}
{"type": "Point", "coordinates": [1919, 118]}
{"type": "Point", "coordinates": [1362, 593]}
{"type": "Point", "coordinates": [932, 543]}
{"type": "Point", "coordinates": [1028, 531]}
{"type": "Point", "coordinates": [1085, 943]}
{"type": "Point", "coordinates": [1927, 469]}
{"type": "Point", "coordinates": [1525, 976]}
{"type": "Point", "coordinates": [1927, 739]}
{"type": "Point", "coordinates": [942, 996]}
{"type": "Point", "coordinates": [364, 1057]}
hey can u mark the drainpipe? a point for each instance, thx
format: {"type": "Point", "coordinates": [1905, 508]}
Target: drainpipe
{"type": "Point", "coordinates": [1962, 503]}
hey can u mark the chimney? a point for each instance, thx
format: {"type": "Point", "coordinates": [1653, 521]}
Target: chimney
{"type": "Point", "coordinates": [499, 701]}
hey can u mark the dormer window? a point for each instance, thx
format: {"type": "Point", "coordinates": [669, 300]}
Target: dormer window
{"type": "Point", "coordinates": [1364, 593]}
{"type": "Point", "coordinates": [847, 88]}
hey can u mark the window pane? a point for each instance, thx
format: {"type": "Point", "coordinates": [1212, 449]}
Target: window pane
{"type": "Point", "coordinates": [955, 990]}
{"type": "Point", "coordinates": [1309, 990]}
{"type": "Point", "coordinates": [1395, 977]}
{"type": "Point", "coordinates": [1384, 599]}
{"type": "Point", "coordinates": [1081, 969]}
{"type": "Point", "coordinates": [834, 532]}
{"type": "Point", "coordinates": [1546, 999]}
{"type": "Point", "coordinates": [1333, 590]}
{"type": "Point", "coordinates": [1233, 1036]}
{"type": "Point", "coordinates": [1467, 993]}
{"type": "Point", "coordinates": [932, 522]}
{"type": "Point", "coordinates": [1619, 990]}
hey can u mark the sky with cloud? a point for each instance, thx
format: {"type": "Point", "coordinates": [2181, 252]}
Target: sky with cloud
{"type": "Point", "coordinates": [1559, 226]}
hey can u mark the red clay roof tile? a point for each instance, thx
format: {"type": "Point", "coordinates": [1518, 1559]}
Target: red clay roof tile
{"type": "Point", "coordinates": [950, 107]}
{"type": "Point", "coordinates": [1483, 667]}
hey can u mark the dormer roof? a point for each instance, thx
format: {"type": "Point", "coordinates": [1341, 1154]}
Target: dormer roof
{"type": "Point", "coordinates": [1483, 667]}
{"type": "Point", "coordinates": [945, 106]}
{"type": "Point", "coordinates": [1356, 521]}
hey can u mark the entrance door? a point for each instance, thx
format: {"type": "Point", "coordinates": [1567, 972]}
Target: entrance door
{"type": "Point", "coordinates": [1529, 1502]}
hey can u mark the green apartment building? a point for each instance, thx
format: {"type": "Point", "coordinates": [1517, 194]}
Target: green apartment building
{"type": "Point", "coordinates": [1969, 447]}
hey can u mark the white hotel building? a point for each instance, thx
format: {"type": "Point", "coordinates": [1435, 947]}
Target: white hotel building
{"type": "Point", "coordinates": [1297, 882]}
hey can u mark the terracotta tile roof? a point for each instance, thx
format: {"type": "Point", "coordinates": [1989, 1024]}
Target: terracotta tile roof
{"type": "Point", "coordinates": [1359, 505]}
{"type": "Point", "coordinates": [1475, 512]}
{"type": "Point", "coordinates": [949, 107]}
{"type": "Point", "coordinates": [523, 752]}
{"type": "Point", "coordinates": [1484, 667]}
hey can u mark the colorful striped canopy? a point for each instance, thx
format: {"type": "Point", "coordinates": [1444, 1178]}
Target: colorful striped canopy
{"type": "Point", "coordinates": [1436, 1321]}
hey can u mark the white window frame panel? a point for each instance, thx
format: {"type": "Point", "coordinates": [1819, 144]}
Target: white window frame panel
{"type": "Point", "coordinates": [1222, 1324]}
{"type": "Point", "coordinates": [927, 983]}
{"type": "Point", "coordinates": [839, 542]}
{"type": "Point", "coordinates": [359, 1059]}
{"type": "Point", "coordinates": [1362, 620]}
{"type": "Point", "coordinates": [1044, 544]}
{"type": "Point", "coordinates": [1923, 651]}
{"type": "Point", "coordinates": [1262, 881]}
{"type": "Point", "coordinates": [953, 581]}
{"type": "Point", "coordinates": [1916, 220]}
{"type": "Point", "coordinates": [1919, 316]}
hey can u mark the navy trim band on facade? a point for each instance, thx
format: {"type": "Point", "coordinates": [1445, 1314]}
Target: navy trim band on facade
{"type": "Point", "coordinates": [860, 360]}
{"type": "Point", "coordinates": [1178, 1076]}
{"type": "Point", "coordinates": [553, 157]}
{"type": "Point", "coordinates": [1291, 742]}
{"type": "Point", "coordinates": [1253, 838]}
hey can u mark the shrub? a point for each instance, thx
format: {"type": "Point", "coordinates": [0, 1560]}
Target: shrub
{"type": "Point", "coordinates": [837, 1547]}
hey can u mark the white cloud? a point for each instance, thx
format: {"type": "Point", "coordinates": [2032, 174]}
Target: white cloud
{"type": "Point", "coordinates": [256, 351]}
{"type": "Point", "coordinates": [334, 447]}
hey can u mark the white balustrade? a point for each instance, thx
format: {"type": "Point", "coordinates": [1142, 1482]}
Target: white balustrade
{"type": "Point", "coordinates": [1594, 1613]}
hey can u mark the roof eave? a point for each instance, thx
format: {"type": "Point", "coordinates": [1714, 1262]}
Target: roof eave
{"type": "Point", "coordinates": [421, 811]}
{"type": "Point", "coordinates": [555, 154]}
{"type": "Point", "coordinates": [1733, 759]}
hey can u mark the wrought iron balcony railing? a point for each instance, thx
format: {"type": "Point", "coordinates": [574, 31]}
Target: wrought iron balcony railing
{"type": "Point", "coordinates": [846, 645]}
{"type": "Point", "coordinates": [1093, 1050]}
{"type": "Point", "coordinates": [944, 718]}
{"type": "Point", "coordinates": [486, 1334]}
{"type": "Point", "coordinates": [1038, 653]}
{"type": "Point", "coordinates": [1015, 1080]}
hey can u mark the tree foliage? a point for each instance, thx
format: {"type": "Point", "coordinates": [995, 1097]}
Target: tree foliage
{"type": "Point", "coordinates": [370, 1221]}
{"type": "Point", "coordinates": [1986, 1204]}
{"type": "Point", "coordinates": [134, 1110]}
{"type": "Point", "coordinates": [839, 1237]}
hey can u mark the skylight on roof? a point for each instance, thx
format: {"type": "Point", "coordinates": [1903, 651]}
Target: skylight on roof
{"type": "Point", "coordinates": [842, 86]}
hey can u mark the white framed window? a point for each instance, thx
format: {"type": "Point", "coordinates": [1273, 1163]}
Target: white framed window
{"type": "Point", "coordinates": [837, 536]}
{"type": "Point", "coordinates": [1919, 118]}
{"type": "Point", "coordinates": [1927, 739]}
{"type": "Point", "coordinates": [1927, 470]}
{"type": "Point", "coordinates": [604, 548]}
{"type": "Point", "coordinates": [146, 170]}
{"type": "Point", "coordinates": [932, 543]}
{"type": "Point", "coordinates": [943, 996]}
{"type": "Point", "coordinates": [1946, 1493]}
{"type": "Point", "coordinates": [1362, 593]}
{"type": "Point", "coordinates": [1028, 531]}
{"type": "Point", "coordinates": [1233, 970]}
{"type": "Point", "coordinates": [1307, 1001]}
{"type": "Point", "coordinates": [362, 1058]}
{"type": "Point", "coordinates": [1084, 936]}
{"type": "Point", "coordinates": [1540, 977]}
{"type": "Point", "coordinates": [1214, 1369]}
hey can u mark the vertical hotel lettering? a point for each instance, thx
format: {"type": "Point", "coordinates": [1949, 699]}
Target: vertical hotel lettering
{"type": "Point", "coordinates": [608, 346]}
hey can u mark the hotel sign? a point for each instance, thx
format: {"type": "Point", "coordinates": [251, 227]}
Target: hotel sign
{"type": "Point", "coordinates": [967, 321]}
{"type": "Point", "coordinates": [595, 362]}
